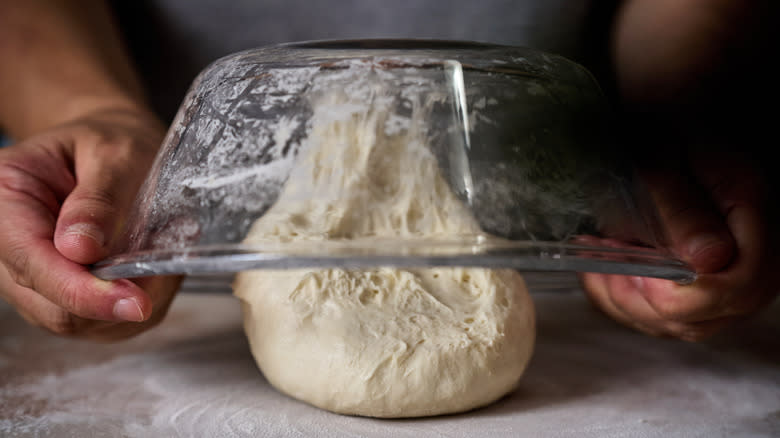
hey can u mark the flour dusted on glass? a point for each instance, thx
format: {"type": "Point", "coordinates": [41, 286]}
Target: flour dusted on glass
{"type": "Point", "coordinates": [236, 144]}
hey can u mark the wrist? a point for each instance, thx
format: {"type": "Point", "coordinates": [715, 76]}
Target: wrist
{"type": "Point", "coordinates": [52, 113]}
{"type": "Point", "coordinates": [91, 106]}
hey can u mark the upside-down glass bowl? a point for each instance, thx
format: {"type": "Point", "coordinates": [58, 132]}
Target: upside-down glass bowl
{"type": "Point", "coordinates": [521, 137]}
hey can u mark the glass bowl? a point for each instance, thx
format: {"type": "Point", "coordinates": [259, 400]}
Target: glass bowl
{"type": "Point", "coordinates": [411, 153]}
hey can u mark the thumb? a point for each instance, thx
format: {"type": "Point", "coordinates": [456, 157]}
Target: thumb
{"type": "Point", "coordinates": [696, 231]}
{"type": "Point", "coordinates": [92, 214]}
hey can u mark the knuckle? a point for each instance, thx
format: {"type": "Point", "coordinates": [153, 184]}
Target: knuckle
{"type": "Point", "coordinates": [739, 307]}
{"type": "Point", "coordinates": [16, 181]}
{"type": "Point", "coordinates": [61, 323]}
{"type": "Point", "coordinates": [743, 304]}
{"type": "Point", "coordinates": [113, 145]}
{"type": "Point", "coordinates": [10, 177]}
{"type": "Point", "coordinates": [744, 181]}
{"type": "Point", "coordinates": [70, 297]}
{"type": "Point", "coordinates": [670, 310]}
{"type": "Point", "coordinates": [17, 263]}
{"type": "Point", "coordinates": [96, 196]}
{"type": "Point", "coordinates": [90, 205]}
{"type": "Point", "coordinates": [691, 335]}
{"type": "Point", "coordinates": [722, 187]}
{"type": "Point", "coordinates": [682, 212]}
{"type": "Point", "coordinates": [683, 303]}
{"type": "Point", "coordinates": [650, 328]}
{"type": "Point", "coordinates": [692, 332]}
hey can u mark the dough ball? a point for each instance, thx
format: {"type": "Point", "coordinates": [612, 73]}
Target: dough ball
{"type": "Point", "coordinates": [389, 342]}
{"type": "Point", "coordinates": [381, 342]}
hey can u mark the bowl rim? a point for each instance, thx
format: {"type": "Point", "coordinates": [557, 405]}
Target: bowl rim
{"type": "Point", "coordinates": [368, 253]}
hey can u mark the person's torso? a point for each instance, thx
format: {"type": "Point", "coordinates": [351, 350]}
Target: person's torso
{"type": "Point", "coordinates": [172, 40]}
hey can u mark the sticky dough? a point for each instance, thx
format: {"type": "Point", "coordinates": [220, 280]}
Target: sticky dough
{"type": "Point", "coordinates": [381, 342]}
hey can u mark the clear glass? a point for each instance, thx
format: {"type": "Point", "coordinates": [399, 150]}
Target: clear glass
{"type": "Point", "coordinates": [521, 137]}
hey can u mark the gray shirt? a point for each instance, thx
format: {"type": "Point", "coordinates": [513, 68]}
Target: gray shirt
{"type": "Point", "coordinates": [172, 40]}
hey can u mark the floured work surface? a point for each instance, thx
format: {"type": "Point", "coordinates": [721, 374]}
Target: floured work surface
{"type": "Point", "coordinates": [194, 376]}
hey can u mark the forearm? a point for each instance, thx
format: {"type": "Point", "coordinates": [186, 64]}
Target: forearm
{"type": "Point", "coordinates": [60, 59]}
{"type": "Point", "coordinates": [673, 55]}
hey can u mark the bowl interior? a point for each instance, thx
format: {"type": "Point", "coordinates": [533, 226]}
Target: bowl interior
{"type": "Point", "coordinates": [500, 156]}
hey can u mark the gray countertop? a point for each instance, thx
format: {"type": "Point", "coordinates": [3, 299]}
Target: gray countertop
{"type": "Point", "coordinates": [194, 376]}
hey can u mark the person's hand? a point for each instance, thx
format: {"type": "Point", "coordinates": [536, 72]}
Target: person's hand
{"type": "Point", "coordinates": [717, 218]}
{"type": "Point", "coordinates": [64, 194]}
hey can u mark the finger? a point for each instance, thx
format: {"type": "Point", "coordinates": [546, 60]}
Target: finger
{"type": "Point", "coordinates": [650, 301]}
{"type": "Point", "coordinates": [654, 302]}
{"type": "Point", "coordinates": [746, 283]}
{"type": "Point", "coordinates": [743, 192]}
{"type": "Point", "coordinates": [34, 308]}
{"type": "Point", "coordinates": [90, 217]}
{"type": "Point", "coordinates": [32, 262]}
{"type": "Point", "coordinates": [679, 303]}
{"type": "Point", "coordinates": [698, 331]}
{"type": "Point", "coordinates": [690, 312]}
{"type": "Point", "coordinates": [731, 174]}
{"type": "Point", "coordinates": [72, 287]}
{"type": "Point", "coordinates": [618, 297]}
{"type": "Point", "coordinates": [599, 288]}
{"type": "Point", "coordinates": [161, 289]}
{"type": "Point", "coordinates": [695, 229]}
{"type": "Point", "coordinates": [41, 312]}
{"type": "Point", "coordinates": [31, 170]}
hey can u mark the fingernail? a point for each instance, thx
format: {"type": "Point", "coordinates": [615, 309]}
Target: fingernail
{"type": "Point", "coordinates": [127, 309]}
{"type": "Point", "coordinates": [86, 230]}
{"type": "Point", "coordinates": [702, 243]}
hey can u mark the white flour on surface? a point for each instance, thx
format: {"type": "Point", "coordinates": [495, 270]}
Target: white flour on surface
{"type": "Point", "coordinates": [193, 376]}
